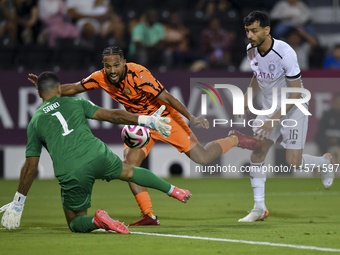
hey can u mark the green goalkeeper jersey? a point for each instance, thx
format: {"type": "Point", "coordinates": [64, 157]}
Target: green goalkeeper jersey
{"type": "Point", "coordinates": [61, 126]}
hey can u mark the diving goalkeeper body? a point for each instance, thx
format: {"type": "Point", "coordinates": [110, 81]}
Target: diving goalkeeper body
{"type": "Point", "coordinates": [79, 158]}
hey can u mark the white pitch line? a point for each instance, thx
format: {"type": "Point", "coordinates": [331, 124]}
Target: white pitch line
{"type": "Point", "coordinates": [241, 241]}
{"type": "Point", "coordinates": [303, 247]}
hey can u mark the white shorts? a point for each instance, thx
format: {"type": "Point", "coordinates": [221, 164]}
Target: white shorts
{"type": "Point", "coordinates": [293, 128]}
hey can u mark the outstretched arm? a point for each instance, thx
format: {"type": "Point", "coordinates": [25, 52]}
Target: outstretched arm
{"type": "Point", "coordinates": [118, 116]}
{"type": "Point", "coordinates": [28, 173]}
{"type": "Point", "coordinates": [169, 99]}
{"type": "Point", "coordinates": [71, 89]}
{"type": "Point", "coordinates": [66, 89]}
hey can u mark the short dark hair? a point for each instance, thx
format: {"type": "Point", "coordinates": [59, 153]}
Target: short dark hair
{"type": "Point", "coordinates": [259, 16]}
{"type": "Point", "coordinates": [113, 50]}
{"type": "Point", "coordinates": [47, 81]}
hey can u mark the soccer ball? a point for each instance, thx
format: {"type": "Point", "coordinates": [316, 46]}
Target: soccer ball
{"type": "Point", "coordinates": [136, 137]}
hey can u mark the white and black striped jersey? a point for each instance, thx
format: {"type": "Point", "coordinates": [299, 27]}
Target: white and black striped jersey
{"type": "Point", "coordinates": [273, 69]}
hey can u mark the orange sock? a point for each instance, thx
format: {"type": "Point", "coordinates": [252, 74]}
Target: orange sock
{"type": "Point", "coordinates": [144, 201]}
{"type": "Point", "coordinates": [227, 143]}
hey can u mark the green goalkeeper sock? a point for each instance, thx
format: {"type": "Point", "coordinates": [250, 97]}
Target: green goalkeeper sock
{"type": "Point", "coordinates": [82, 224]}
{"type": "Point", "coordinates": [145, 178]}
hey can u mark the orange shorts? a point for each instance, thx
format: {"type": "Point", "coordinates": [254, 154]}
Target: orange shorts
{"type": "Point", "coordinates": [181, 137]}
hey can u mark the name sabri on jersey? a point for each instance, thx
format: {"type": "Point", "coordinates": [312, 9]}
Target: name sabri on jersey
{"type": "Point", "coordinates": [51, 107]}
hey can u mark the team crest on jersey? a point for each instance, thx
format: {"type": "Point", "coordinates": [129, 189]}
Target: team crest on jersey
{"type": "Point", "coordinates": [128, 91]}
{"type": "Point", "coordinates": [272, 67]}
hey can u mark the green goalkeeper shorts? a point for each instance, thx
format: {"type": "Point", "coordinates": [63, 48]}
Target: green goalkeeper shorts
{"type": "Point", "coordinates": [76, 189]}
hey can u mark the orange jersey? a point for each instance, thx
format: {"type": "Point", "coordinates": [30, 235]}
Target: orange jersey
{"type": "Point", "coordinates": [181, 136]}
{"type": "Point", "coordinates": [138, 90]}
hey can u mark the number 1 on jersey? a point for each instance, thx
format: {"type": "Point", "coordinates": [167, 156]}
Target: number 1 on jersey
{"type": "Point", "coordinates": [63, 123]}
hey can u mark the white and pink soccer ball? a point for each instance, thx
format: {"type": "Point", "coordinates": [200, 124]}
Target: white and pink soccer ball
{"type": "Point", "coordinates": [136, 137]}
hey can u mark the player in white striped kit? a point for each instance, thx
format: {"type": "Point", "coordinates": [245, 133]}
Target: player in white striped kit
{"type": "Point", "coordinates": [275, 65]}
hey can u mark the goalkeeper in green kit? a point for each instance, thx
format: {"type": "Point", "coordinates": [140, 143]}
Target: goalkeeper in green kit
{"type": "Point", "coordinates": [79, 158]}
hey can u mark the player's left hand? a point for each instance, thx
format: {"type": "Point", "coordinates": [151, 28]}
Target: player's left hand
{"type": "Point", "coordinates": [33, 78]}
{"type": "Point", "coordinates": [12, 212]}
{"type": "Point", "coordinates": [265, 130]}
{"type": "Point", "coordinates": [200, 120]}
{"type": "Point", "coordinates": [158, 124]}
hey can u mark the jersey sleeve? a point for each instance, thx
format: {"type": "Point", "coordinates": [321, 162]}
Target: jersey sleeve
{"type": "Point", "coordinates": [89, 108]}
{"type": "Point", "coordinates": [148, 83]}
{"type": "Point", "coordinates": [291, 66]}
{"type": "Point", "coordinates": [92, 81]}
{"type": "Point", "coordinates": [34, 145]}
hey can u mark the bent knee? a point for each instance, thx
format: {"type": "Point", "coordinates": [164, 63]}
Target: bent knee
{"type": "Point", "coordinates": [127, 172]}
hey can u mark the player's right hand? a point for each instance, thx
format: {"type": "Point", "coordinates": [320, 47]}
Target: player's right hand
{"type": "Point", "coordinates": [12, 212]}
{"type": "Point", "coordinates": [156, 122]}
{"type": "Point", "coordinates": [33, 78]}
{"type": "Point", "coordinates": [200, 120]}
{"type": "Point", "coordinates": [161, 126]}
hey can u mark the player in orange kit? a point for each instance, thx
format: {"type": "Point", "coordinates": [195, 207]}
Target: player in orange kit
{"type": "Point", "coordinates": [134, 86]}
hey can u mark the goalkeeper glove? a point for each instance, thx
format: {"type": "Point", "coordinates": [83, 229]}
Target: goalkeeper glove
{"type": "Point", "coordinates": [156, 122]}
{"type": "Point", "coordinates": [11, 218]}
{"type": "Point", "coordinates": [159, 112]}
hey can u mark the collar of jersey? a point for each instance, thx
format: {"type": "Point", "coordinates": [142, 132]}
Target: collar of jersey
{"type": "Point", "coordinates": [49, 100]}
{"type": "Point", "coordinates": [270, 48]}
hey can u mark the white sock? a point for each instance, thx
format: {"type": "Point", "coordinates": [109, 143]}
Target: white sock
{"type": "Point", "coordinates": [258, 179]}
{"type": "Point", "coordinates": [172, 187]}
{"type": "Point", "coordinates": [308, 161]}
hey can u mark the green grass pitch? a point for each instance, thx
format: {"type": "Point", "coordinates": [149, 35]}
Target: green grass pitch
{"type": "Point", "coordinates": [302, 213]}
